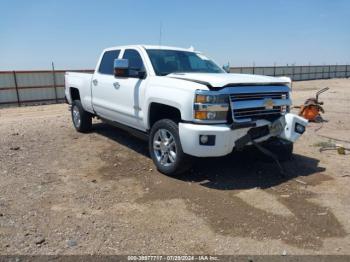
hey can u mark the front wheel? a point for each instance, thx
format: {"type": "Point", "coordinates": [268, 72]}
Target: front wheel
{"type": "Point", "coordinates": [165, 148]}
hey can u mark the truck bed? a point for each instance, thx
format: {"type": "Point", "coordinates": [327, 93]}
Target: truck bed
{"type": "Point", "coordinates": [82, 82]}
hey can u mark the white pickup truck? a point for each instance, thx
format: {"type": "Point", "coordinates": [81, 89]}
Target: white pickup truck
{"type": "Point", "coordinates": [184, 103]}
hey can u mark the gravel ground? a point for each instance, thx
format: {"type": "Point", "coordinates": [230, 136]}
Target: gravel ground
{"type": "Point", "coordinates": [68, 193]}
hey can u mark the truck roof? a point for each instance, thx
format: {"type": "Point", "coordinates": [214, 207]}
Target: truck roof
{"type": "Point", "coordinates": [151, 47]}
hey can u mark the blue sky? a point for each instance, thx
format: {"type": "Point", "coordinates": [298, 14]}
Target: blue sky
{"type": "Point", "coordinates": [72, 33]}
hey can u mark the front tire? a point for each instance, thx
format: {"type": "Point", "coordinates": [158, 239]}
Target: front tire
{"type": "Point", "coordinates": [165, 148]}
{"type": "Point", "coordinates": [82, 120]}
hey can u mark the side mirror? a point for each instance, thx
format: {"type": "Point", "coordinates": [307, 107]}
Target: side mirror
{"type": "Point", "coordinates": [121, 67]}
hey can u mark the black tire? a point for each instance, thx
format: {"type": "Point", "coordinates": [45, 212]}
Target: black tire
{"type": "Point", "coordinates": [283, 149]}
{"type": "Point", "coordinates": [85, 123]}
{"type": "Point", "coordinates": [181, 163]}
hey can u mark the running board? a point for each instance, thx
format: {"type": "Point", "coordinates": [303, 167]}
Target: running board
{"type": "Point", "coordinates": [133, 131]}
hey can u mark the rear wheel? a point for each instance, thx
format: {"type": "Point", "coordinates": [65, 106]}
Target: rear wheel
{"type": "Point", "coordinates": [165, 148]}
{"type": "Point", "coordinates": [82, 120]}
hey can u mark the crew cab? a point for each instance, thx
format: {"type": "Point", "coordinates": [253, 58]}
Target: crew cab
{"type": "Point", "coordinates": [184, 103]}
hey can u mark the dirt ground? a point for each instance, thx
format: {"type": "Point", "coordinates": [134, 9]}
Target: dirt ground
{"type": "Point", "coordinates": [62, 192]}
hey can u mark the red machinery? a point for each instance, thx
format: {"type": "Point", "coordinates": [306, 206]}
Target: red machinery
{"type": "Point", "coordinates": [313, 107]}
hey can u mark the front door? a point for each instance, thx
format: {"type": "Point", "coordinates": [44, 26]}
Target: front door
{"type": "Point", "coordinates": [129, 89]}
{"type": "Point", "coordinates": [118, 98]}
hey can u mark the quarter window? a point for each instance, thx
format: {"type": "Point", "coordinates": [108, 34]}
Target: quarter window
{"type": "Point", "coordinates": [107, 62]}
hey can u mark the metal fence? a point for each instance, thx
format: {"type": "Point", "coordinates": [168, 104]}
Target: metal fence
{"type": "Point", "coordinates": [37, 87]}
{"type": "Point", "coordinates": [32, 87]}
{"type": "Point", "coordinates": [298, 73]}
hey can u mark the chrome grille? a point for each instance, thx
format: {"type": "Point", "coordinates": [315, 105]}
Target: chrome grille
{"type": "Point", "coordinates": [251, 106]}
{"type": "Point", "coordinates": [256, 112]}
{"type": "Point", "coordinates": [258, 96]}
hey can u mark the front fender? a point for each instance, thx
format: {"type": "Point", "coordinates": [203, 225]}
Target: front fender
{"type": "Point", "coordinates": [177, 98]}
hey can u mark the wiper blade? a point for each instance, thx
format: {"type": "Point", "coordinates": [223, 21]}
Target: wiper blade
{"type": "Point", "coordinates": [168, 73]}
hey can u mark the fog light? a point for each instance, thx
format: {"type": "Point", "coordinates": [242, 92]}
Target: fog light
{"type": "Point", "coordinates": [204, 139]}
{"type": "Point", "coordinates": [299, 128]}
{"type": "Point", "coordinates": [207, 140]}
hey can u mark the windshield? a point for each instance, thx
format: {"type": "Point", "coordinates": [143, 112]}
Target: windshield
{"type": "Point", "coordinates": [166, 62]}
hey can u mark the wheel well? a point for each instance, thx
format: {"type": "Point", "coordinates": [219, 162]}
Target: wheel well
{"type": "Point", "coordinates": [160, 111]}
{"type": "Point", "coordinates": [74, 93]}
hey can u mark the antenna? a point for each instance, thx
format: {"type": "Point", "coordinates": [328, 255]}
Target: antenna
{"type": "Point", "coordinates": [160, 33]}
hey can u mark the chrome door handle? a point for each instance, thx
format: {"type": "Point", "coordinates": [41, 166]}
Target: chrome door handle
{"type": "Point", "coordinates": [95, 82]}
{"type": "Point", "coordinates": [116, 85]}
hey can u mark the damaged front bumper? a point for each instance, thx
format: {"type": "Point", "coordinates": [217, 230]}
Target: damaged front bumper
{"type": "Point", "coordinates": [224, 138]}
{"type": "Point", "coordinates": [294, 127]}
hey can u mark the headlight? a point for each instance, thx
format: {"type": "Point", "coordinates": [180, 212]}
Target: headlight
{"type": "Point", "coordinates": [211, 99]}
{"type": "Point", "coordinates": [211, 108]}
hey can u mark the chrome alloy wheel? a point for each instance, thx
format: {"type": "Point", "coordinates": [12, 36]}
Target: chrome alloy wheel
{"type": "Point", "coordinates": [164, 147]}
{"type": "Point", "coordinates": [76, 116]}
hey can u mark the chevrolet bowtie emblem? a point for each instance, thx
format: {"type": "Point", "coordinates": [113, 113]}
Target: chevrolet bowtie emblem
{"type": "Point", "coordinates": [268, 103]}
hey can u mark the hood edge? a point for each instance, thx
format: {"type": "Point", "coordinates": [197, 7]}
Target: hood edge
{"type": "Point", "coordinates": [230, 84]}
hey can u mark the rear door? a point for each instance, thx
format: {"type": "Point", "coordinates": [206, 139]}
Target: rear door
{"type": "Point", "coordinates": [102, 88]}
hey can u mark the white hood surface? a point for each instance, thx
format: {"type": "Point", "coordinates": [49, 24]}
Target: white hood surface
{"type": "Point", "coordinates": [220, 80]}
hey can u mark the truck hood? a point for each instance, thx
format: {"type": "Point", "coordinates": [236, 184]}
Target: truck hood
{"type": "Point", "coordinates": [215, 81]}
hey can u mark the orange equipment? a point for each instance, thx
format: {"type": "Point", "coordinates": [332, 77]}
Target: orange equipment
{"type": "Point", "coordinates": [312, 108]}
